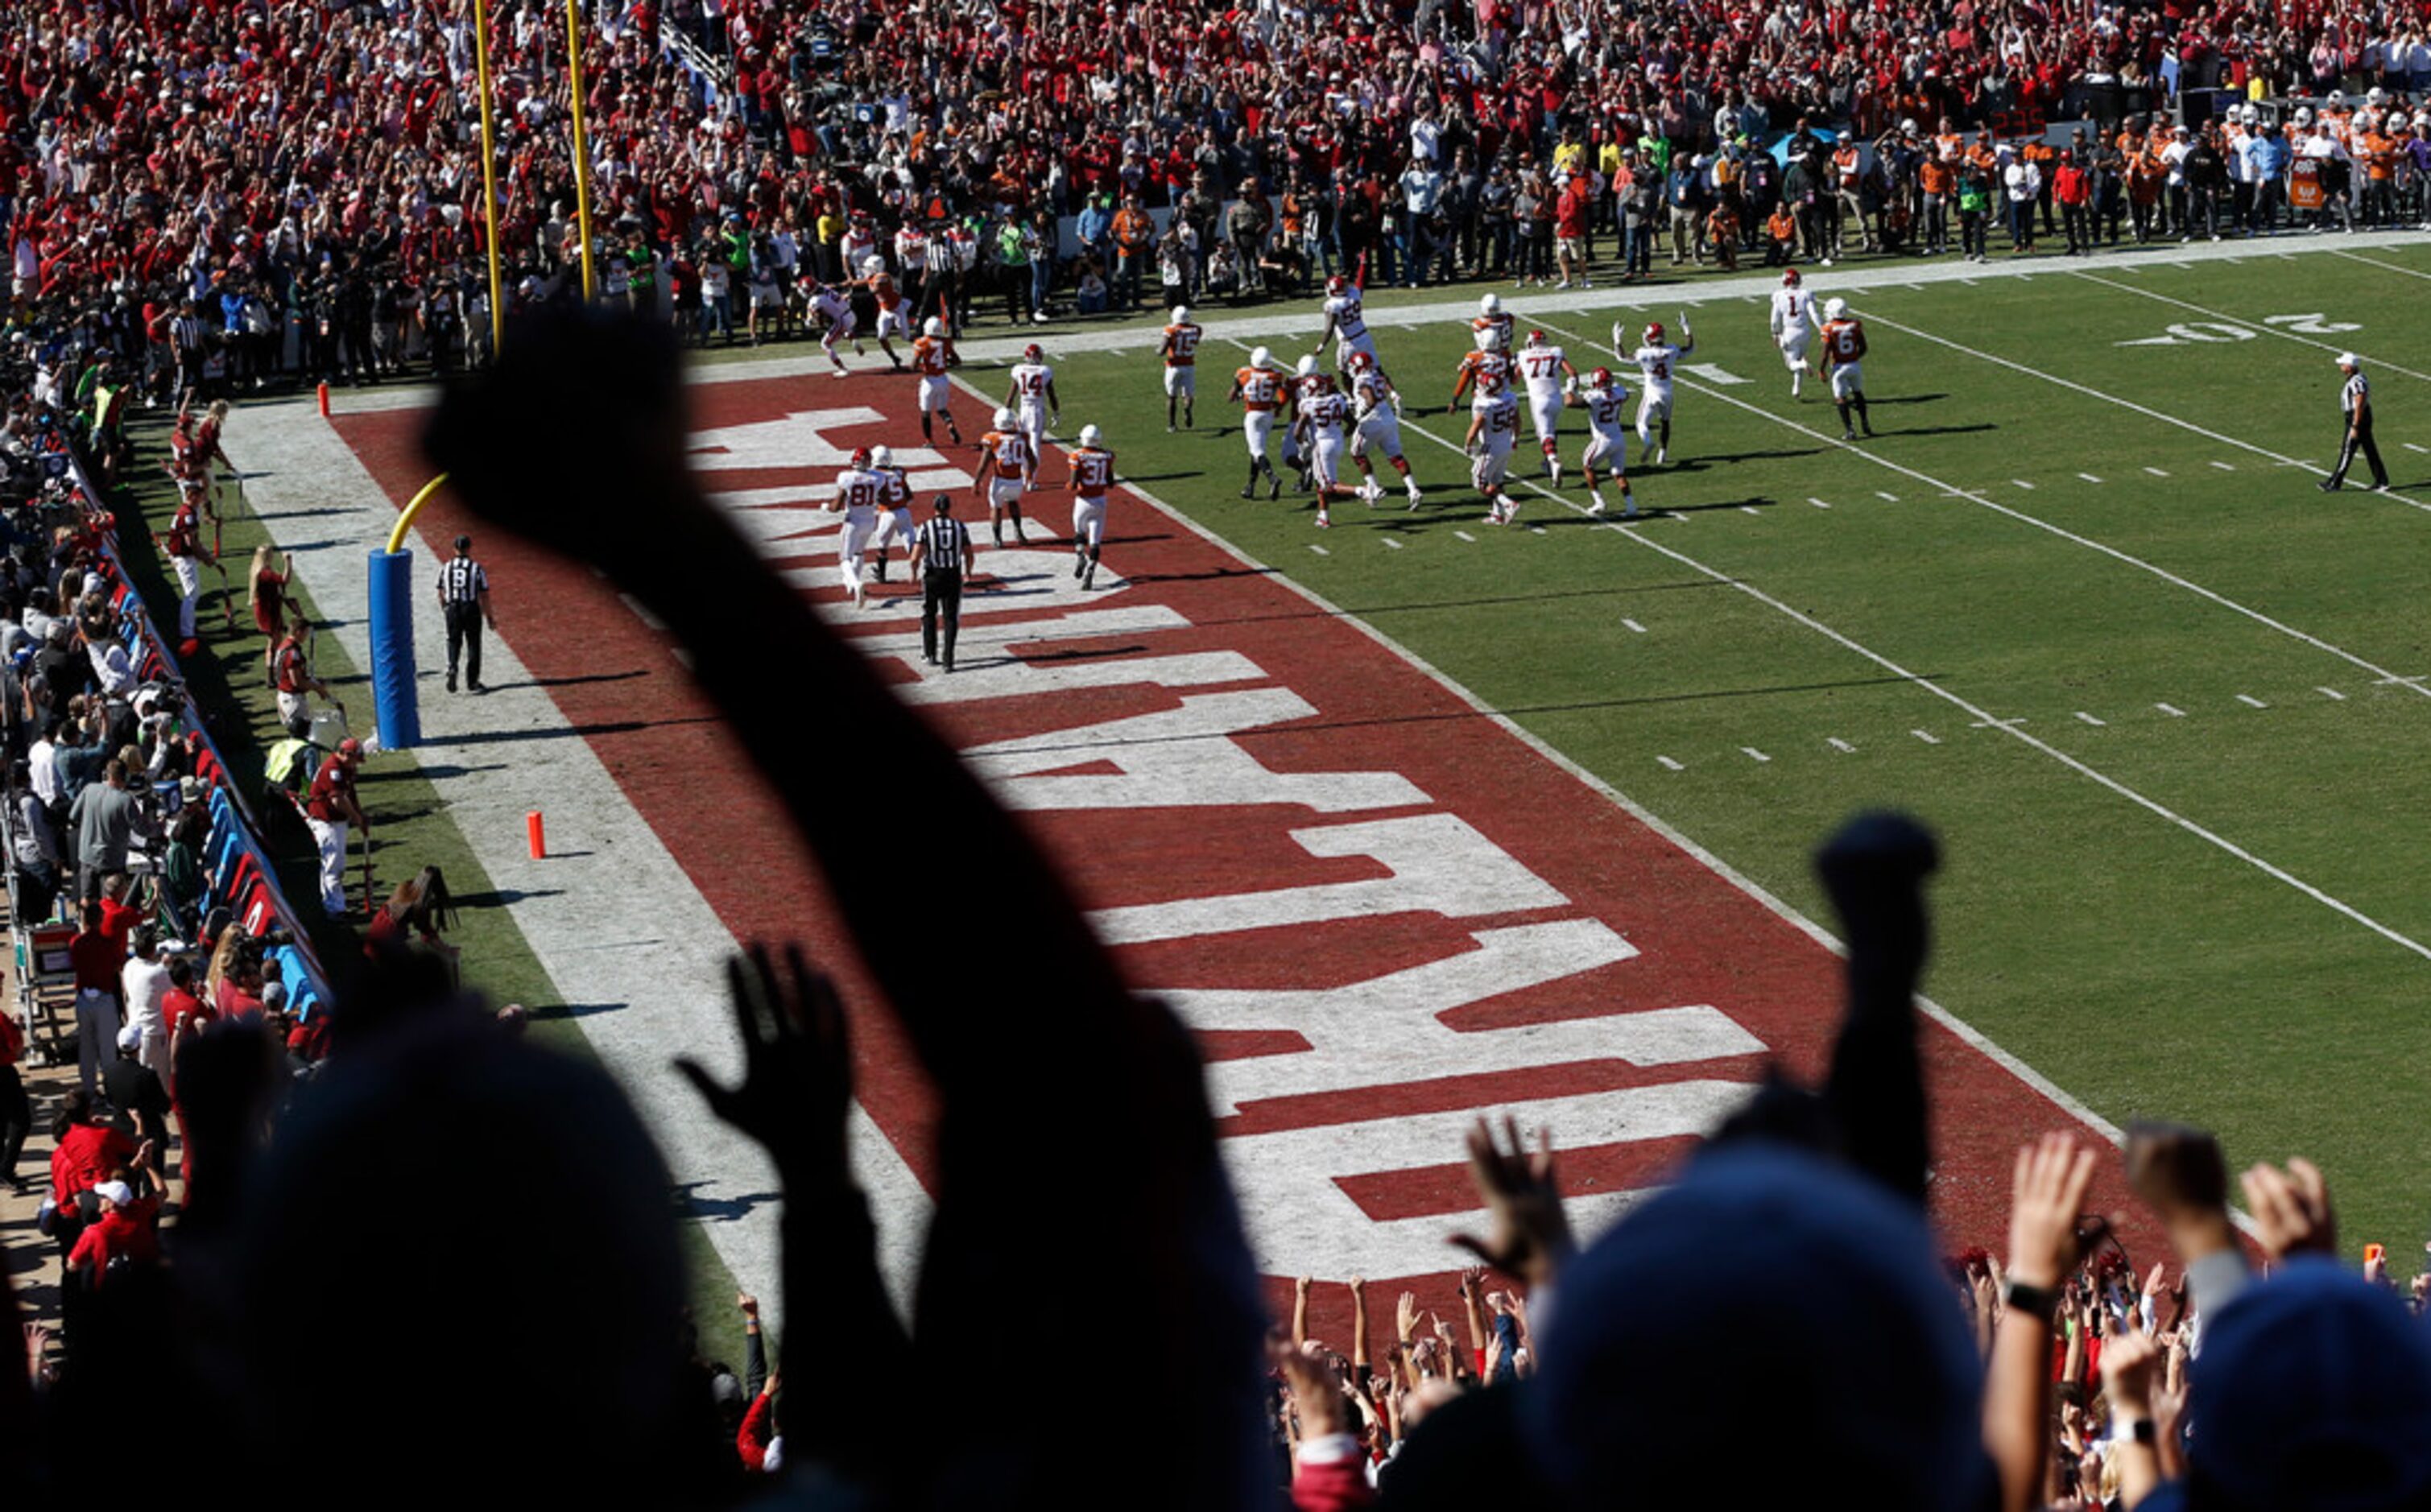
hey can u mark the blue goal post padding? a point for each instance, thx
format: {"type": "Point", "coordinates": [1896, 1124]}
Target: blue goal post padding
{"type": "Point", "coordinates": [391, 621]}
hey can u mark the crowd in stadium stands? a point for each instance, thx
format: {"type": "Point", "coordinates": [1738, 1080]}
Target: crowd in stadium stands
{"type": "Point", "coordinates": [449, 1236]}
{"type": "Point", "coordinates": [311, 177]}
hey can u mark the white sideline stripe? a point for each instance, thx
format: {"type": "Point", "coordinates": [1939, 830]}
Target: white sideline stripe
{"type": "Point", "coordinates": [2088, 478]}
{"type": "Point", "coordinates": [2088, 392]}
{"type": "Point", "coordinates": [2038, 523]}
{"type": "Point", "coordinates": [2264, 327]}
{"type": "Point", "coordinates": [2327, 692]}
{"type": "Point", "coordinates": [2251, 701]}
{"type": "Point", "coordinates": [1754, 753]}
{"type": "Point", "coordinates": [2172, 711]}
{"type": "Point", "coordinates": [630, 893]}
{"type": "Point", "coordinates": [804, 358]}
{"type": "Point", "coordinates": [2010, 729]}
{"type": "Point", "coordinates": [2088, 718]}
{"type": "Point", "coordinates": [1968, 1034]}
{"type": "Point", "coordinates": [1838, 744]}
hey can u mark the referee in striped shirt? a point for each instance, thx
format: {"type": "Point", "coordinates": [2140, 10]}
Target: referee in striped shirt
{"type": "Point", "coordinates": [2355, 399]}
{"type": "Point", "coordinates": [465, 600]}
{"type": "Point", "coordinates": [941, 555]}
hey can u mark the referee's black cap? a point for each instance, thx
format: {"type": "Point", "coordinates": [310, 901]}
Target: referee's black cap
{"type": "Point", "coordinates": [942, 503]}
{"type": "Point", "coordinates": [463, 543]}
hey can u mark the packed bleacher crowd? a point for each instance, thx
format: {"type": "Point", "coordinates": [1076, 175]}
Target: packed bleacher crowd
{"type": "Point", "coordinates": [309, 178]}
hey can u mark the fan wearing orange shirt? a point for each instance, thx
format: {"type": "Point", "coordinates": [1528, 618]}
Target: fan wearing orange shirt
{"type": "Point", "coordinates": [1258, 389]}
{"type": "Point", "coordinates": [891, 319]}
{"type": "Point", "coordinates": [1093, 474]}
{"type": "Point", "coordinates": [930, 356]}
{"type": "Point", "coordinates": [1180, 352]}
{"type": "Point", "coordinates": [1005, 459]}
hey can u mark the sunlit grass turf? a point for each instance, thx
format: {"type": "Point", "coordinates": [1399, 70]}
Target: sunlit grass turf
{"type": "Point", "coordinates": [2143, 967]}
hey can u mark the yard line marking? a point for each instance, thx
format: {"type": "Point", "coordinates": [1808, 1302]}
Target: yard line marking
{"type": "Point", "coordinates": [2089, 719]}
{"type": "Point", "coordinates": [1669, 765]}
{"type": "Point", "coordinates": [1390, 541]}
{"type": "Point", "coordinates": [1892, 498]}
{"type": "Point", "coordinates": [2226, 467]}
{"type": "Point", "coordinates": [2251, 701]}
{"type": "Point", "coordinates": [2022, 483]}
{"type": "Point", "coordinates": [1818, 503]}
{"type": "Point", "coordinates": [2328, 692]}
{"type": "Point", "coordinates": [2265, 326]}
{"type": "Point", "coordinates": [1980, 501]}
{"type": "Point", "coordinates": [1755, 754]}
{"type": "Point", "coordinates": [2074, 387]}
{"type": "Point", "coordinates": [1969, 707]}
{"type": "Point", "coordinates": [1675, 514]}
{"type": "Point", "coordinates": [2386, 267]}
{"type": "Point", "coordinates": [2173, 712]}
{"type": "Point", "coordinates": [1635, 625]}
{"type": "Point", "coordinates": [1466, 536]}
{"type": "Point", "coordinates": [1838, 744]}
{"type": "Point", "coordinates": [2088, 478]}
{"type": "Point", "coordinates": [1319, 549]}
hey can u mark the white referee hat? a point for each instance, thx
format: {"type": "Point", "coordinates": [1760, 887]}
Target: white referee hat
{"type": "Point", "coordinates": [2349, 360]}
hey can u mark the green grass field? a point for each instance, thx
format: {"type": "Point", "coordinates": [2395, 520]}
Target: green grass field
{"type": "Point", "coordinates": [2183, 809]}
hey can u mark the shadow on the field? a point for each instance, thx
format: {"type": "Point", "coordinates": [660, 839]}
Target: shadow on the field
{"type": "Point", "coordinates": [717, 1209]}
{"type": "Point", "coordinates": [1214, 575]}
{"type": "Point", "coordinates": [1759, 501]}
{"type": "Point", "coordinates": [501, 897]}
{"type": "Point", "coordinates": [1936, 430]}
{"type": "Point", "coordinates": [618, 727]}
{"type": "Point", "coordinates": [1156, 477]}
{"type": "Point", "coordinates": [625, 675]}
{"type": "Point", "coordinates": [1906, 399]}
{"type": "Point", "coordinates": [1692, 464]}
{"type": "Point", "coordinates": [301, 515]}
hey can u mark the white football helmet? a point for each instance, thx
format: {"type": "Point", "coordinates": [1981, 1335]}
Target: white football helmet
{"type": "Point", "coordinates": [1490, 339]}
{"type": "Point", "coordinates": [1260, 357]}
{"type": "Point", "coordinates": [1003, 419]}
{"type": "Point", "coordinates": [932, 328]}
{"type": "Point", "coordinates": [1181, 314]}
{"type": "Point", "coordinates": [1091, 435]}
{"type": "Point", "coordinates": [1489, 304]}
{"type": "Point", "coordinates": [1307, 367]}
{"type": "Point", "coordinates": [873, 265]}
{"type": "Point", "coordinates": [1835, 309]}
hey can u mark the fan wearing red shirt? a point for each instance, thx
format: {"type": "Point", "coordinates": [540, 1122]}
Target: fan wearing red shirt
{"type": "Point", "coordinates": [124, 1231]}
{"type": "Point", "coordinates": [97, 958]}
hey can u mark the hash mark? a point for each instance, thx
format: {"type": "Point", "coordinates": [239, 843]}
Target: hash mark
{"type": "Point", "coordinates": [1537, 529]}
{"type": "Point", "coordinates": [1466, 536]}
{"type": "Point", "coordinates": [1758, 754]}
{"type": "Point", "coordinates": [1747, 508]}
{"type": "Point", "coordinates": [2088, 718]}
{"type": "Point", "coordinates": [2088, 478]}
{"type": "Point", "coordinates": [1892, 498]}
{"type": "Point", "coordinates": [1319, 549]}
{"type": "Point", "coordinates": [1390, 541]}
{"type": "Point", "coordinates": [2251, 701]}
{"type": "Point", "coordinates": [2331, 692]}
{"type": "Point", "coordinates": [2156, 472]}
{"type": "Point", "coordinates": [1925, 736]}
{"type": "Point", "coordinates": [2226, 467]}
{"type": "Point", "coordinates": [1818, 503]}
{"type": "Point", "coordinates": [2022, 483]}
{"type": "Point", "coordinates": [1838, 744]}
{"type": "Point", "coordinates": [1669, 765]}
{"type": "Point", "coordinates": [2173, 712]}
{"type": "Point", "coordinates": [2412, 447]}
{"type": "Point", "coordinates": [1635, 625]}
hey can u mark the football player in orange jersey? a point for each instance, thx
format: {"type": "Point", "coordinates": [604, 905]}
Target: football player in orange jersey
{"type": "Point", "coordinates": [1093, 474]}
{"type": "Point", "coordinates": [1489, 361]}
{"type": "Point", "coordinates": [1005, 459]}
{"type": "Point", "coordinates": [1258, 389]}
{"type": "Point", "coordinates": [930, 356]}
{"type": "Point", "coordinates": [890, 319]}
{"type": "Point", "coordinates": [1844, 347]}
{"type": "Point", "coordinates": [1180, 353]}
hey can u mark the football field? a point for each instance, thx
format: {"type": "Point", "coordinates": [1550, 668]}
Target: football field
{"type": "Point", "coordinates": [2080, 607]}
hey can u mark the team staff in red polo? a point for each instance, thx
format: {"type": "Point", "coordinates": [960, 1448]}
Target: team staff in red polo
{"type": "Point", "coordinates": [330, 807]}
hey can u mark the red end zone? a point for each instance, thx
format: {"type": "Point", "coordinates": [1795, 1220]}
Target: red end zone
{"type": "Point", "coordinates": [1384, 912]}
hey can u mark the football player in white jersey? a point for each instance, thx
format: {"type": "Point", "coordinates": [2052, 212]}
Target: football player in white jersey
{"type": "Point", "coordinates": [1794, 325]}
{"type": "Point", "coordinates": [857, 494]}
{"type": "Point", "coordinates": [894, 506]}
{"type": "Point", "coordinates": [1657, 360]}
{"type": "Point", "coordinates": [1299, 385]}
{"type": "Point", "coordinates": [833, 308]}
{"type": "Point", "coordinates": [1548, 375]}
{"type": "Point", "coordinates": [1379, 424]}
{"type": "Point", "coordinates": [1324, 414]}
{"type": "Point", "coordinates": [1032, 398]}
{"type": "Point", "coordinates": [1603, 398]}
{"type": "Point", "coordinates": [1259, 389]}
{"type": "Point", "coordinates": [1493, 425]}
{"type": "Point", "coordinates": [1491, 316]}
{"type": "Point", "coordinates": [1346, 324]}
